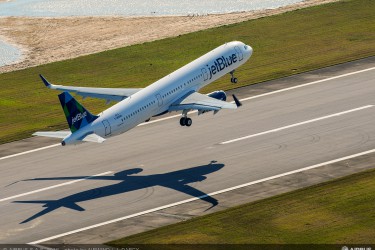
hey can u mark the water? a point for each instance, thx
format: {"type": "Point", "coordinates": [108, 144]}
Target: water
{"type": "Point", "coordinates": [8, 54]}
{"type": "Point", "coordinates": [63, 8]}
{"type": "Point", "coordinates": [58, 8]}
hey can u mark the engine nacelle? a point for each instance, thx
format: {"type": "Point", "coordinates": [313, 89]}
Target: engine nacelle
{"type": "Point", "coordinates": [219, 95]}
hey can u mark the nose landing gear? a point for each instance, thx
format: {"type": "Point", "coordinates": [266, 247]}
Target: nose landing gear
{"type": "Point", "coordinates": [233, 79]}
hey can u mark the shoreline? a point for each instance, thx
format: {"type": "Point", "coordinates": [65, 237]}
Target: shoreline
{"type": "Point", "coordinates": [61, 38]}
{"type": "Point", "coordinates": [23, 50]}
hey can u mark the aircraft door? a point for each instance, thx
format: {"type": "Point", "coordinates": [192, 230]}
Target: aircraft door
{"type": "Point", "coordinates": [160, 100]}
{"type": "Point", "coordinates": [205, 74]}
{"type": "Point", "coordinates": [107, 127]}
{"type": "Point", "coordinates": [239, 53]}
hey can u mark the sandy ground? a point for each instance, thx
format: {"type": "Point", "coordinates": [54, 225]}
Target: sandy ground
{"type": "Point", "coordinates": [44, 40]}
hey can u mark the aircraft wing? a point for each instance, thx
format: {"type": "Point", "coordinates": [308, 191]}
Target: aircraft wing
{"type": "Point", "coordinates": [203, 103]}
{"type": "Point", "coordinates": [109, 94]}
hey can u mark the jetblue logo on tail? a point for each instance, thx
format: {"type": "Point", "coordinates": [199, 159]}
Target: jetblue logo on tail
{"type": "Point", "coordinates": [221, 63]}
{"type": "Point", "coordinates": [79, 117]}
{"type": "Point", "coordinates": [76, 115]}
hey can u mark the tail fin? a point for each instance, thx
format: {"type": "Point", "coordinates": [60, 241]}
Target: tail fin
{"type": "Point", "coordinates": [76, 115]}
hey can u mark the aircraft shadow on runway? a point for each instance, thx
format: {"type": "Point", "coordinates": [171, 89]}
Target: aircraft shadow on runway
{"type": "Point", "coordinates": [129, 181]}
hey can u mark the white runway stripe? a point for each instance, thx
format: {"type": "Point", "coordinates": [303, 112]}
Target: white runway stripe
{"type": "Point", "coordinates": [307, 84]}
{"type": "Point", "coordinates": [29, 151]}
{"type": "Point", "coordinates": [54, 186]}
{"type": "Point", "coordinates": [297, 124]}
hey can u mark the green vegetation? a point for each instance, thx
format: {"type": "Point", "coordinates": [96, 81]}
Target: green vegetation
{"type": "Point", "coordinates": [283, 45]}
{"type": "Point", "coordinates": [335, 212]}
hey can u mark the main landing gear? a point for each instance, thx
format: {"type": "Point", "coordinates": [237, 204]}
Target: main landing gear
{"type": "Point", "coordinates": [185, 121]}
{"type": "Point", "coordinates": [233, 79]}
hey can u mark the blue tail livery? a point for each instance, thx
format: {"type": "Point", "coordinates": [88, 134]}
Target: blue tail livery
{"type": "Point", "coordinates": [76, 115]}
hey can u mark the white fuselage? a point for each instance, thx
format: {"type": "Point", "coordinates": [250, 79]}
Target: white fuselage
{"type": "Point", "coordinates": [157, 97]}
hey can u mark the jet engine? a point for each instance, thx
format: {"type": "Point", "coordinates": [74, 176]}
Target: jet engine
{"type": "Point", "coordinates": [219, 95]}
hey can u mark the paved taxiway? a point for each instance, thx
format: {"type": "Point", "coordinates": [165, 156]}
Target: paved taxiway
{"type": "Point", "coordinates": [155, 164]}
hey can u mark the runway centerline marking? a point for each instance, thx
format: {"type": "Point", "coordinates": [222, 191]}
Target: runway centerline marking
{"type": "Point", "coordinates": [203, 196]}
{"type": "Point", "coordinates": [244, 99]}
{"type": "Point", "coordinates": [54, 186]}
{"type": "Point", "coordinates": [297, 124]}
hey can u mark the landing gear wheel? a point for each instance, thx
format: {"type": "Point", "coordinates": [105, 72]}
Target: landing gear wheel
{"type": "Point", "coordinates": [233, 79]}
{"type": "Point", "coordinates": [182, 121]}
{"type": "Point", "coordinates": [188, 122]}
{"type": "Point", "coordinates": [185, 121]}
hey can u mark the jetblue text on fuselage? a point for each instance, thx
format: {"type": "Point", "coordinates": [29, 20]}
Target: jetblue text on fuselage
{"type": "Point", "coordinates": [221, 63]}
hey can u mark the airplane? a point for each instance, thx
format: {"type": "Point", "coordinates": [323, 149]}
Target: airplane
{"type": "Point", "coordinates": [177, 91]}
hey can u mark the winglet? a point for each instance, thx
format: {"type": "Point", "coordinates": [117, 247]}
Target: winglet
{"type": "Point", "coordinates": [238, 103]}
{"type": "Point", "coordinates": [48, 85]}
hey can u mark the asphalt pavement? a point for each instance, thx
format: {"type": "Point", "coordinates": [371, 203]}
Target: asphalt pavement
{"type": "Point", "coordinates": [60, 189]}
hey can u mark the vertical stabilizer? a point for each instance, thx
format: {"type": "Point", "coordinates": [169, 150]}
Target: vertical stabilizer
{"type": "Point", "coordinates": [76, 115]}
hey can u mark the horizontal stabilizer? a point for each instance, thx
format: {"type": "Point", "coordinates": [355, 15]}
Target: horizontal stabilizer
{"type": "Point", "coordinates": [54, 134]}
{"type": "Point", "coordinates": [64, 134]}
{"type": "Point", "coordinates": [93, 138]}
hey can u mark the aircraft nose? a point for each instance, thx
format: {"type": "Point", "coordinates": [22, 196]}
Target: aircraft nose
{"type": "Point", "coordinates": [248, 50]}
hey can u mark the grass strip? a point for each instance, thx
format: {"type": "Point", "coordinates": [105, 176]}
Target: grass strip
{"type": "Point", "coordinates": [336, 212]}
{"type": "Point", "coordinates": [284, 45]}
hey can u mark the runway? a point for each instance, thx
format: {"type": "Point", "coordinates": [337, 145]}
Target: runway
{"type": "Point", "coordinates": [60, 189]}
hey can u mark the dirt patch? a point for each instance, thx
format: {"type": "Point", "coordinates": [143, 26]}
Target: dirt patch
{"type": "Point", "coordinates": [45, 40]}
